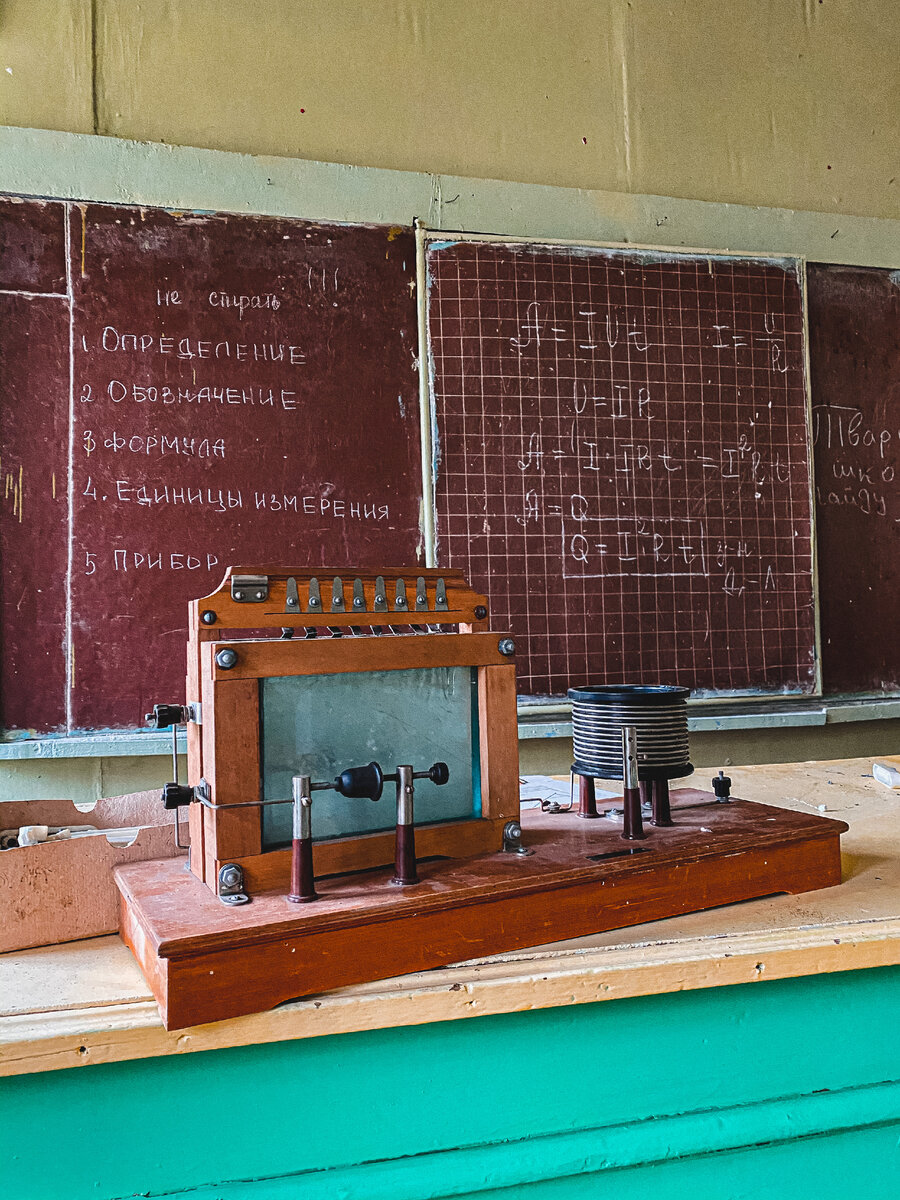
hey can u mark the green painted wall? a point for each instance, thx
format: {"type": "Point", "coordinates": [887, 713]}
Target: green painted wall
{"type": "Point", "coordinates": [782, 1089]}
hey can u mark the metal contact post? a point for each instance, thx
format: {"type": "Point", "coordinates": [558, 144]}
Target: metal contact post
{"type": "Point", "coordinates": [405, 847]}
{"type": "Point", "coordinates": [303, 880]}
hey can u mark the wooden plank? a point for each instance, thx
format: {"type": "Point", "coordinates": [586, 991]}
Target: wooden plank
{"type": "Point", "coordinates": [322, 656]}
{"type": "Point", "coordinates": [279, 957]}
{"type": "Point", "coordinates": [274, 612]}
{"type": "Point", "coordinates": [564, 854]}
{"type": "Point", "coordinates": [197, 634]}
{"type": "Point", "coordinates": [107, 1029]}
{"type": "Point", "coordinates": [362, 927]}
{"type": "Point", "coordinates": [231, 761]}
{"type": "Point", "coordinates": [499, 741]}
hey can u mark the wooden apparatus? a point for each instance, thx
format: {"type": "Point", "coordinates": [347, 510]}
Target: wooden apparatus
{"type": "Point", "coordinates": [229, 938]}
{"type": "Point", "coordinates": [224, 751]}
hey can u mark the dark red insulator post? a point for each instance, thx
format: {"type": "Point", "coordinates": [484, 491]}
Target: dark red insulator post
{"type": "Point", "coordinates": [587, 797]}
{"type": "Point", "coordinates": [662, 812]}
{"type": "Point", "coordinates": [303, 879]}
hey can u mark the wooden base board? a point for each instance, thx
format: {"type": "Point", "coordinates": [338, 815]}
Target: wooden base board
{"type": "Point", "coordinates": [205, 961]}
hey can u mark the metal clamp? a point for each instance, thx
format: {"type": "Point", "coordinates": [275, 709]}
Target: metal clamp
{"type": "Point", "coordinates": [249, 589]}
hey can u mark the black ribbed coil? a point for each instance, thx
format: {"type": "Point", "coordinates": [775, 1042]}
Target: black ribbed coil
{"type": "Point", "coordinates": [659, 716]}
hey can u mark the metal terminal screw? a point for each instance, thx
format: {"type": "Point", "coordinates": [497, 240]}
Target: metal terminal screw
{"type": "Point", "coordinates": [231, 885]}
{"type": "Point", "coordinates": [260, 595]}
{"type": "Point", "coordinates": [208, 617]}
{"type": "Point", "coordinates": [226, 658]}
{"type": "Point", "coordinates": [506, 646]}
{"type": "Point", "coordinates": [480, 612]}
{"type": "Point", "coordinates": [291, 602]}
{"type": "Point", "coordinates": [357, 603]}
{"type": "Point", "coordinates": [512, 839]}
{"type": "Point", "coordinates": [722, 787]}
{"type": "Point", "coordinates": [230, 877]}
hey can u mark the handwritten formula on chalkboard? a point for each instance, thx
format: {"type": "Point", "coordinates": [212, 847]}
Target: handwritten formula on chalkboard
{"type": "Point", "coordinates": [195, 391]}
{"type": "Point", "coordinates": [622, 462]}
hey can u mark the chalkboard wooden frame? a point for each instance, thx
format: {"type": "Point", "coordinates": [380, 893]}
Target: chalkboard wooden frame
{"type": "Point", "coordinates": [436, 240]}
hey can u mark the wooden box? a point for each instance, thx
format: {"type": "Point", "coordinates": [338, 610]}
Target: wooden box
{"type": "Point", "coordinates": [60, 891]}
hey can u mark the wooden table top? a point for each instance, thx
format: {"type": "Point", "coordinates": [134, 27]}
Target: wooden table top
{"type": "Point", "coordinates": [87, 1002]}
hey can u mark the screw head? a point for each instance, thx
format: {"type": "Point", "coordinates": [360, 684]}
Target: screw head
{"type": "Point", "coordinates": [506, 646]}
{"type": "Point", "coordinates": [226, 658]}
{"type": "Point", "coordinates": [480, 612]}
{"type": "Point", "coordinates": [512, 831]}
{"type": "Point", "coordinates": [208, 617]}
{"type": "Point", "coordinates": [230, 877]}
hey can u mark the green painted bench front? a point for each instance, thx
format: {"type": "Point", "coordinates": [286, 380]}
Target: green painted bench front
{"type": "Point", "coordinates": [783, 1089]}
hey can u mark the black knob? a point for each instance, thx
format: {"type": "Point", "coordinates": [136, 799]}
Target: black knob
{"type": "Point", "coordinates": [480, 612]}
{"type": "Point", "coordinates": [361, 783]}
{"type": "Point", "coordinates": [208, 617]}
{"type": "Point", "coordinates": [722, 786]}
{"type": "Point", "coordinates": [226, 658]}
{"type": "Point", "coordinates": [164, 715]}
{"type": "Point", "coordinates": [439, 773]}
{"type": "Point", "coordinates": [176, 795]}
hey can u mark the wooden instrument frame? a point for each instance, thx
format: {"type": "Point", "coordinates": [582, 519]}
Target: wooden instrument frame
{"type": "Point", "coordinates": [224, 750]}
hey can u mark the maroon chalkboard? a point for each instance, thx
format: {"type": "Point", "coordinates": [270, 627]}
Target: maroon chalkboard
{"type": "Point", "coordinates": [854, 347]}
{"type": "Point", "coordinates": [622, 462]}
{"type": "Point", "coordinates": [242, 389]}
{"type": "Point", "coordinates": [34, 420]}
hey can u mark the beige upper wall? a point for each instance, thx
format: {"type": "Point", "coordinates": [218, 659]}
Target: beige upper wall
{"type": "Point", "coordinates": [786, 103]}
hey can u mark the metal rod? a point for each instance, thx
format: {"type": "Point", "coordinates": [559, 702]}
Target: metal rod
{"type": "Point", "coordinates": [178, 842]}
{"type": "Point", "coordinates": [633, 827]}
{"type": "Point", "coordinates": [244, 803]}
{"type": "Point", "coordinates": [315, 787]}
{"type": "Point", "coordinates": [303, 880]}
{"type": "Point", "coordinates": [405, 844]}
{"type": "Point", "coordinates": [175, 753]}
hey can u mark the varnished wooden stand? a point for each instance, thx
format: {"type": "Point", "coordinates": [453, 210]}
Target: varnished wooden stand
{"type": "Point", "coordinates": [205, 962]}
